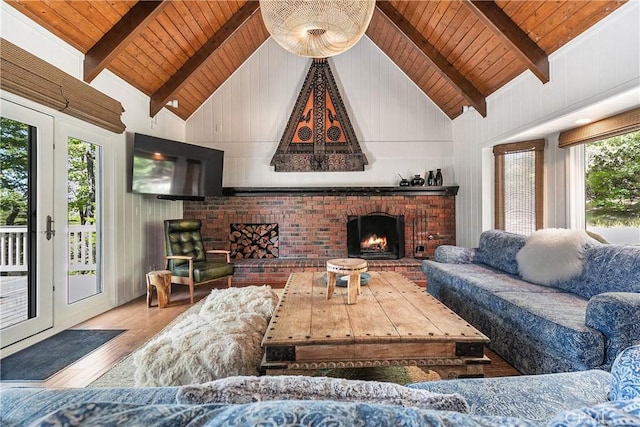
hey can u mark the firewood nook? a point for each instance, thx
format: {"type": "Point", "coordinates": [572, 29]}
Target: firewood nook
{"type": "Point", "coordinates": [312, 225]}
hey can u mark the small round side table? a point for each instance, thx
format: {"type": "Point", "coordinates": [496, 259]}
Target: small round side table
{"type": "Point", "coordinates": [161, 280]}
{"type": "Point", "coordinates": [346, 266]}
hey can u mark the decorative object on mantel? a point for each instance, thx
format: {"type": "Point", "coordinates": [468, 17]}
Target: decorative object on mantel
{"type": "Point", "coordinates": [319, 136]}
{"type": "Point", "coordinates": [417, 181]}
{"type": "Point", "coordinates": [316, 28]}
{"type": "Point", "coordinates": [438, 177]}
{"type": "Point", "coordinates": [403, 181]}
{"type": "Point", "coordinates": [431, 179]}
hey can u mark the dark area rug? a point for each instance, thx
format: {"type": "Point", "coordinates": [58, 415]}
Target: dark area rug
{"type": "Point", "coordinates": [41, 360]}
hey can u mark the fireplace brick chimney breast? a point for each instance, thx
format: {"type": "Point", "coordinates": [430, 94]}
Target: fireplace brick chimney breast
{"type": "Point", "coordinates": [315, 226]}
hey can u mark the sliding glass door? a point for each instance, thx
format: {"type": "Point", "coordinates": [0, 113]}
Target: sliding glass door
{"type": "Point", "coordinates": [26, 222]}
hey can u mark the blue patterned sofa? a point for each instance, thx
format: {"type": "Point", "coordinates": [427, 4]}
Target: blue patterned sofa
{"type": "Point", "coordinates": [576, 324]}
{"type": "Point", "coordinates": [584, 398]}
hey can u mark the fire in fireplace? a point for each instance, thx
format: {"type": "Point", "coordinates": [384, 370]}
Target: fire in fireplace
{"type": "Point", "coordinates": [375, 236]}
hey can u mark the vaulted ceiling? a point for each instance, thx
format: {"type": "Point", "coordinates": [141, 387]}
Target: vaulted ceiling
{"type": "Point", "coordinates": [456, 51]}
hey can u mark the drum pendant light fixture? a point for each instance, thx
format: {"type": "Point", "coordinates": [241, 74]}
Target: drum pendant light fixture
{"type": "Point", "coordinates": [317, 28]}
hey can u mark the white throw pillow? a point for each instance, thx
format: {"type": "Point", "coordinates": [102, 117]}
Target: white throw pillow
{"type": "Point", "coordinates": [247, 389]}
{"type": "Point", "coordinates": [552, 255]}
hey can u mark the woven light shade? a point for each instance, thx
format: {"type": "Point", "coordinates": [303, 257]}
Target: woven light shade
{"type": "Point", "coordinates": [317, 28]}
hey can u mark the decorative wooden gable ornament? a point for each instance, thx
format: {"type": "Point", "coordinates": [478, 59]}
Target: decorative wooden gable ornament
{"type": "Point", "coordinates": [319, 135]}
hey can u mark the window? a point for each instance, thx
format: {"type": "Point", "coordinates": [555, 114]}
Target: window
{"type": "Point", "coordinates": [612, 188]}
{"type": "Point", "coordinates": [519, 171]}
{"type": "Point", "coordinates": [610, 171]}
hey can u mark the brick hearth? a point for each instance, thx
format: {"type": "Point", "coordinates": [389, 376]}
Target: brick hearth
{"type": "Point", "coordinates": [276, 271]}
{"type": "Point", "coordinates": [313, 227]}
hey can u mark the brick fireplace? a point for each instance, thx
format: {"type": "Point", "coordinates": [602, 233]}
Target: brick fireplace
{"type": "Point", "coordinates": [312, 225]}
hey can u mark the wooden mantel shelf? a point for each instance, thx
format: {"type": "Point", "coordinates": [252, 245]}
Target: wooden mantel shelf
{"type": "Point", "coordinates": [450, 190]}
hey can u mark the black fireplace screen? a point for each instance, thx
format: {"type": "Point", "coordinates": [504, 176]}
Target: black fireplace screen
{"type": "Point", "coordinates": [375, 236]}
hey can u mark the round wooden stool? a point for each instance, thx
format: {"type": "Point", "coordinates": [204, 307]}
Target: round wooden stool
{"type": "Point", "coordinates": [161, 280]}
{"type": "Point", "coordinates": [346, 266]}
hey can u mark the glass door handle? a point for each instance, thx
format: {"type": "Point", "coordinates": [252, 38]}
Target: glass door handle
{"type": "Point", "coordinates": [49, 232]}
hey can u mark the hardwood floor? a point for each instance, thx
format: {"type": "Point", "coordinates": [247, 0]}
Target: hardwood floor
{"type": "Point", "coordinates": [142, 323]}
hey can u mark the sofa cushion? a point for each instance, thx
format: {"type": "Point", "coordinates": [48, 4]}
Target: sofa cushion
{"type": "Point", "coordinates": [271, 413]}
{"type": "Point", "coordinates": [555, 321]}
{"type": "Point", "coordinates": [498, 249]}
{"type": "Point", "coordinates": [19, 406]}
{"type": "Point", "coordinates": [551, 317]}
{"type": "Point", "coordinates": [607, 268]}
{"type": "Point", "coordinates": [454, 254]}
{"type": "Point", "coordinates": [291, 387]}
{"type": "Point", "coordinates": [617, 316]}
{"type": "Point", "coordinates": [205, 270]}
{"type": "Point", "coordinates": [522, 396]}
{"type": "Point", "coordinates": [490, 279]}
{"type": "Point", "coordinates": [625, 374]}
{"type": "Point", "coordinates": [618, 413]}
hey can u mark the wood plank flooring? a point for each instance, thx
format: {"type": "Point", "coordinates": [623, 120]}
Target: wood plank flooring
{"type": "Point", "coordinates": [142, 323]}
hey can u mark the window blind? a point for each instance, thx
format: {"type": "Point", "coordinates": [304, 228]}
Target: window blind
{"type": "Point", "coordinates": [622, 123]}
{"type": "Point", "coordinates": [520, 193]}
{"type": "Point", "coordinates": [32, 78]}
{"type": "Point", "coordinates": [519, 172]}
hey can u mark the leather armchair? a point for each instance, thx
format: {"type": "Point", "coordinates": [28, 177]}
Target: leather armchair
{"type": "Point", "coordinates": [187, 259]}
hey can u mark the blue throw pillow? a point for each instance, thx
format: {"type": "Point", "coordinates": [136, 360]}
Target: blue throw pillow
{"type": "Point", "coordinates": [498, 249]}
{"type": "Point", "coordinates": [625, 375]}
{"type": "Point", "coordinates": [620, 413]}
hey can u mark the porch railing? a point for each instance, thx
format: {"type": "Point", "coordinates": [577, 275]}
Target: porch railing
{"type": "Point", "coordinates": [13, 248]}
{"type": "Point", "coordinates": [81, 255]}
{"type": "Point", "coordinates": [82, 248]}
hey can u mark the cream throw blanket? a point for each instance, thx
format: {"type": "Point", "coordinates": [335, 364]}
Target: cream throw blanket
{"type": "Point", "coordinates": [222, 340]}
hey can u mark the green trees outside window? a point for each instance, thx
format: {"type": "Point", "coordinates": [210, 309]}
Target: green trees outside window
{"type": "Point", "coordinates": [613, 181]}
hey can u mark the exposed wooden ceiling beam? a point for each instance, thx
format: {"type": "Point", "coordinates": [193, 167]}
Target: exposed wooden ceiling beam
{"type": "Point", "coordinates": [512, 35]}
{"type": "Point", "coordinates": [440, 63]}
{"type": "Point", "coordinates": [160, 98]}
{"type": "Point", "coordinates": [117, 38]}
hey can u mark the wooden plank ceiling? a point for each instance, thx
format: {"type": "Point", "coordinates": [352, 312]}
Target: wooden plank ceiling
{"type": "Point", "coordinates": [456, 51]}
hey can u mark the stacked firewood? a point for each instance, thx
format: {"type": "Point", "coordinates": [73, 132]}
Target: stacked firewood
{"type": "Point", "coordinates": [254, 241]}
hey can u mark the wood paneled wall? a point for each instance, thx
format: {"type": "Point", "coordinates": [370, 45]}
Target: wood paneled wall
{"type": "Point", "coordinates": [601, 63]}
{"type": "Point", "coordinates": [133, 236]}
{"type": "Point", "coordinates": [399, 129]}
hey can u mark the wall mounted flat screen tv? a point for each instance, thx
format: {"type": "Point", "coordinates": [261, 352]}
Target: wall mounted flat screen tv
{"type": "Point", "coordinates": [174, 170]}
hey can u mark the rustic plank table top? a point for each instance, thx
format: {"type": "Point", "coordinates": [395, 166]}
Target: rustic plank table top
{"type": "Point", "coordinates": [395, 322]}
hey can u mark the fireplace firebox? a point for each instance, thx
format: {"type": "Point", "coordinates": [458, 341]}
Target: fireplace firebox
{"type": "Point", "coordinates": [375, 236]}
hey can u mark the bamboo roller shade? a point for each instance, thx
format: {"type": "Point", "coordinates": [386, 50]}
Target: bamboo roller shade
{"type": "Point", "coordinates": [622, 123]}
{"type": "Point", "coordinates": [28, 76]}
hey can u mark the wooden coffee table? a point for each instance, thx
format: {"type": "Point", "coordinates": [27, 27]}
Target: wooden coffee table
{"type": "Point", "coordinates": [395, 322]}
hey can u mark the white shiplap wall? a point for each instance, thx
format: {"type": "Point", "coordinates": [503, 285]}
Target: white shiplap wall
{"type": "Point", "coordinates": [132, 223]}
{"type": "Point", "coordinates": [601, 63]}
{"type": "Point", "coordinates": [399, 129]}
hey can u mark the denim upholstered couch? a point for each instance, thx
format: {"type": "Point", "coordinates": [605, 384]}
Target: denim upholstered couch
{"type": "Point", "coordinates": [584, 398]}
{"type": "Point", "coordinates": [577, 324]}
